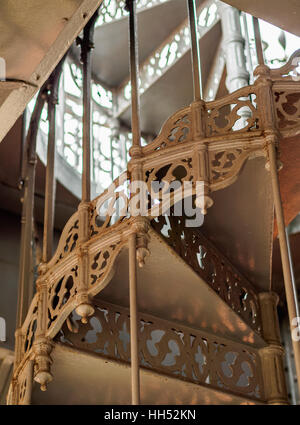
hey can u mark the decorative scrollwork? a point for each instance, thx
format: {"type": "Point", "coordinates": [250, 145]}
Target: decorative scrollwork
{"type": "Point", "coordinates": [60, 293]}
{"type": "Point", "coordinates": [71, 240]}
{"type": "Point", "coordinates": [223, 162]}
{"type": "Point", "coordinates": [179, 170]}
{"type": "Point", "coordinates": [235, 369]}
{"type": "Point", "coordinates": [287, 104]}
{"type": "Point", "coordinates": [100, 263]}
{"type": "Point", "coordinates": [212, 266]}
{"type": "Point", "coordinates": [170, 348]}
{"type": "Point", "coordinates": [288, 70]}
{"type": "Point", "coordinates": [177, 129]}
{"type": "Point", "coordinates": [111, 207]}
{"type": "Point", "coordinates": [29, 327]}
{"type": "Point", "coordinates": [225, 165]}
{"type": "Point", "coordinates": [236, 112]}
{"type": "Point", "coordinates": [22, 389]}
{"type": "Point", "coordinates": [23, 385]}
{"type": "Point", "coordinates": [68, 240]}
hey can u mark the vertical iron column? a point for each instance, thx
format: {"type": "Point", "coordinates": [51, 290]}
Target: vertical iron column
{"type": "Point", "coordinates": [84, 306]}
{"type": "Point", "coordinates": [134, 77]}
{"type": "Point", "coordinates": [87, 44]}
{"type": "Point", "coordinates": [200, 155]}
{"type": "Point", "coordinates": [25, 286]}
{"type": "Point", "coordinates": [135, 153]}
{"type": "Point", "coordinates": [53, 83]}
{"type": "Point", "coordinates": [42, 346]}
{"type": "Point", "coordinates": [134, 346]}
{"type": "Point", "coordinates": [291, 299]}
{"type": "Point", "coordinates": [198, 95]}
{"type": "Point", "coordinates": [287, 273]}
{"type": "Point", "coordinates": [272, 354]}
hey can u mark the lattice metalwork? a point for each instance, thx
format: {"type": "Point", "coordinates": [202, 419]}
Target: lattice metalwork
{"type": "Point", "coordinates": [276, 49]}
{"type": "Point", "coordinates": [112, 10]}
{"type": "Point", "coordinates": [212, 266]}
{"type": "Point", "coordinates": [110, 140]}
{"type": "Point", "coordinates": [110, 143]}
{"type": "Point", "coordinates": [170, 348]}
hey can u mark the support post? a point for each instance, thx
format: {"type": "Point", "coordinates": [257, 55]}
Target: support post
{"type": "Point", "coordinates": [200, 155]}
{"type": "Point", "coordinates": [50, 185]}
{"type": "Point", "coordinates": [84, 306]}
{"type": "Point", "coordinates": [53, 84]}
{"type": "Point", "coordinates": [87, 44]}
{"type": "Point", "coordinates": [271, 133]}
{"type": "Point", "coordinates": [42, 345]}
{"type": "Point", "coordinates": [272, 355]}
{"type": "Point", "coordinates": [134, 345]}
{"type": "Point", "coordinates": [288, 283]}
{"type": "Point", "coordinates": [137, 242]}
{"type": "Point", "coordinates": [25, 287]}
{"type": "Point", "coordinates": [198, 94]}
{"type": "Point", "coordinates": [135, 150]}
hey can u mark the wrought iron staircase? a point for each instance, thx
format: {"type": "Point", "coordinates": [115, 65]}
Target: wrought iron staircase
{"type": "Point", "coordinates": [202, 329]}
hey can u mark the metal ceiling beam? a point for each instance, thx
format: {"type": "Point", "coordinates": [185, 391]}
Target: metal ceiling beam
{"type": "Point", "coordinates": [167, 54]}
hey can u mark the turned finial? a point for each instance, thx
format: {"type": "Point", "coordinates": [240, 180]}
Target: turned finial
{"type": "Point", "coordinates": [84, 308]}
{"type": "Point", "coordinates": [204, 202]}
{"type": "Point", "coordinates": [85, 311]}
{"type": "Point", "coordinates": [141, 228]}
{"type": "Point", "coordinates": [43, 378]}
{"type": "Point", "coordinates": [42, 349]}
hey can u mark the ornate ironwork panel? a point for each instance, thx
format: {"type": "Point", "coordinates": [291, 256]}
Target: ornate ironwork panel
{"type": "Point", "coordinates": [170, 348]}
{"type": "Point", "coordinates": [212, 266]}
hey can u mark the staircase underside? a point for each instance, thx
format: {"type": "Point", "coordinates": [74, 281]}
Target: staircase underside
{"type": "Point", "coordinates": [163, 94]}
{"type": "Point", "coordinates": [176, 293]}
{"type": "Point", "coordinates": [240, 223]}
{"type": "Point", "coordinates": [110, 57]}
{"type": "Point", "coordinates": [283, 14]}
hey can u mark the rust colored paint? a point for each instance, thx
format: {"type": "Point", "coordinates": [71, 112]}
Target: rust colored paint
{"type": "Point", "coordinates": [289, 178]}
{"type": "Point", "coordinates": [277, 281]}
